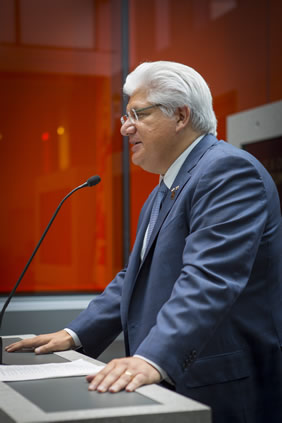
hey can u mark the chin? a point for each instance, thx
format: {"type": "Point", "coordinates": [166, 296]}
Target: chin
{"type": "Point", "coordinates": [137, 160]}
{"type": "Point", "coordinates": [150, 169]}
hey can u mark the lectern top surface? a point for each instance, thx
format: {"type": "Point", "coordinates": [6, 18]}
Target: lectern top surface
{"type": "Point", "coordinates": [71, 393]}
{"type": "Point", "coordinates": [27, 357]}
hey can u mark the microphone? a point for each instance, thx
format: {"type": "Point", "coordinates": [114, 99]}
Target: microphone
{"type": "Point", "coordinates": [94, 180]}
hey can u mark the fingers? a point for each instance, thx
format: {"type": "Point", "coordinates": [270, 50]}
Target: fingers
{"type": "Point", "coordinates": [127, 373]}
{"type": "Point", "coordinates": [30, 343]}
{"type": "Point", "coordinates": [112, 378]}
{"type": "Point", "coordinates": [58, 341]}
{"type": "Point", "coordinates": [44, 344]}
{"type": "Point", "coordinates": [138, 381]}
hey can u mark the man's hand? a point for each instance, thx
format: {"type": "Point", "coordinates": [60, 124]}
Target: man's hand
{"type": "Point", "coordinates": [123, 373]}
{"type": "Point", "coordinates": [44, 344]}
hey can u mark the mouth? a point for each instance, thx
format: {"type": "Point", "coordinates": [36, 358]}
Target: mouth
{"type": "Point", "coordinates": [134, 142]}
{"type": "Point", "coordinates": [135, 145]}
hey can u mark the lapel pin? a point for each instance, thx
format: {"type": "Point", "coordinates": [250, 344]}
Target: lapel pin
{"type": "Point", "coordinates": [173, 190]}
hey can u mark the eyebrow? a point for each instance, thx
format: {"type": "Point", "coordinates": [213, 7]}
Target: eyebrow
{"type": "Point", "coordinates": [139, 103]}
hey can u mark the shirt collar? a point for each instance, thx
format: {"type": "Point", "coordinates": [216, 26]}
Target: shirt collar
{"type": "Point", "coordinates": [173, 170]}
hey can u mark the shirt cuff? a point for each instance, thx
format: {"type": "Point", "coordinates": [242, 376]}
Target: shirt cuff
{"type": "Point", "coordinates": [163, 373]}
{"type": "Point", "coordinates": [74, 336]}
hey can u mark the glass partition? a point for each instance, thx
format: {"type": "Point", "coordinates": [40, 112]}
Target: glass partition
{"type": "Point", "coordinates": [60, 91]}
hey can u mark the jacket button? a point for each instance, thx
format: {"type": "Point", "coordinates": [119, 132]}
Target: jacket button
{"type": "Point", "coordinates": [194, 354]}
{"type": "Point", "coordinates": [186, 364]}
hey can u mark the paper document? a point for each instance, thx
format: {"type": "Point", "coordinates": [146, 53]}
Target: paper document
{"type": "Point", "coordinates": [79, 367]}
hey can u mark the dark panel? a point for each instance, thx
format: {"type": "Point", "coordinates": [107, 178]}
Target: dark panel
{"type": "Point", "coordinates": [27, 357]}
{"type": "Point", "coordinates": [65, 394]}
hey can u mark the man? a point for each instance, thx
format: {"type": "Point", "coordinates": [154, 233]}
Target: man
{"type": "Point", "coordinates": [200, 300]}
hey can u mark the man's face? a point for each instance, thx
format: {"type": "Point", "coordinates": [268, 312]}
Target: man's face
{"type": "Point", "coordinates": [152, 136]}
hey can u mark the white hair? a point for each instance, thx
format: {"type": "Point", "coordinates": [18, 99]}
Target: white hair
{"type": "Point", "coordinates": [175, 85]}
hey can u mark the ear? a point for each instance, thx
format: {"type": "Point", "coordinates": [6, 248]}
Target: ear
{"type": "Point", "coordinates": [182, 117]}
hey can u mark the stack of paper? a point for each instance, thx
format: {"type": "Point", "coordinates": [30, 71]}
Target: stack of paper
{"type": "Point", "coordinates": [79, 367]}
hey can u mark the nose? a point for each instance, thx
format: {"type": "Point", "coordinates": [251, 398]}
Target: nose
{"type": "Point", "coordinates": [128, 128]}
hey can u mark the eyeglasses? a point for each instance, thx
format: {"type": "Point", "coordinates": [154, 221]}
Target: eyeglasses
{"type": "Point", "coordinates": [134, 115]}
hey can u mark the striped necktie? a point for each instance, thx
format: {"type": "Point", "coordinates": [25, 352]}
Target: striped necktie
{"type": "Point", "coordinates": [162, 190]}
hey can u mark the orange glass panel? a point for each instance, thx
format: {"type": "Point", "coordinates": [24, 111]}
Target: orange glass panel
{"type": "Point", "coordinates": [60, 85]}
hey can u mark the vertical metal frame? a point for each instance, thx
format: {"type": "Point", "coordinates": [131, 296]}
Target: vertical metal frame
{"type": "Point", "coordinates": [125, 150]}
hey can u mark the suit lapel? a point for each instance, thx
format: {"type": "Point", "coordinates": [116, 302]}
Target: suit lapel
{"type": "Point", "coordinates": [167, 204]}
{"type": "Point", "coordinates": [180, 181]}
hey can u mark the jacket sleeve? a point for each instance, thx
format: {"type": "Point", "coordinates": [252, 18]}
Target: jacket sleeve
{"type": "Point", "coordinates": [99, 324]}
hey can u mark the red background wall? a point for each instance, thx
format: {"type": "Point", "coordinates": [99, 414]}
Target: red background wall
{"type": "Point", "coordinates": [60, 67]}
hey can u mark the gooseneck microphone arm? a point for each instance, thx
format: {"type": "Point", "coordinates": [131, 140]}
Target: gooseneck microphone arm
{"type": "Point", "coordinates": [94, 180]}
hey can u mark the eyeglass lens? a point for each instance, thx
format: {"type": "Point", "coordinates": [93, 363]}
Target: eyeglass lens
{"type": "Point", "coordinates": [131, 115]}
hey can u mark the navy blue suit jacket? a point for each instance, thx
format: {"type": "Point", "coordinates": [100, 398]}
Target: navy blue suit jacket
{"type": "Point", "coordinates": [205, 303]}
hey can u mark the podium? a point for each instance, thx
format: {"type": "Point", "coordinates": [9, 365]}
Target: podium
{"type": "Point", "coordinates": [68, 399]}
